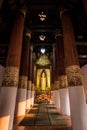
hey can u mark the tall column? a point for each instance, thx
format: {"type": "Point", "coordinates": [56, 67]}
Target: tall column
{"type": "Point", "coordinates": [30, 73]}
{"type": "Point", "coordinates": [28, 101]}
{"type": "Point", "coordinates": [53, 71]}
{"type": "Point", "coordinates": [1, 1]}
{"type": "Point", "coordinates": [85, 5]}
{"type": "Point", "coordinates": [23, 78]}
{"type": "Point", "coordinates": [11, 75]}
{"type": "Point", "coordinates": [33, 85]}
{"type": "Point", "coordinates": [84, 73]}
{"type": "Point", "coordinates": [74, 76]}
{"type": "Point", "coordinates": [64, 95]}
{"type": "Point", "coordinates": [29, 98]}
{"type": "Point", "coordinates": [2, 69]}
{"type": "Point", "coordinates": [53, 68]}
{"type": "Point", "coordinates": [56, 95]}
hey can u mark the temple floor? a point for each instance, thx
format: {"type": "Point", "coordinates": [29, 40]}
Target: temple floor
{"type": "Point", "coordinates": [43, 116]}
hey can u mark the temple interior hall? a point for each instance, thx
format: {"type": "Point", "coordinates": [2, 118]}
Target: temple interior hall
{"type": "Point", "coordinates": [43, 64]}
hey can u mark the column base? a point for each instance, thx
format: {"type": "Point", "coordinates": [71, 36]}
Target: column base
{"type": "Point", "coordinates": [57, 99]}
{"type": "Point", "coordinates": [21, 102]}
{"type": "Point", "coordinates": [32, 98]}
{"type": "Point", "coordinates": [28, 101]}
{"type": "Point", "coordinates": [64, 101]}
{"type": "Point", "coordinates": [78, 108]}
{"type": "Point", "coordinates": [7, 107]}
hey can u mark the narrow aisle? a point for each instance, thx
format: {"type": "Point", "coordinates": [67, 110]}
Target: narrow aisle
{"type": "Point", "coordinates": [44, 114]}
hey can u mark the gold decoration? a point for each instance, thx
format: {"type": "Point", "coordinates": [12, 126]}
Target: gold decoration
{"type": "Point", "coordinates": [11, 76]}
{"type": "Point", "coordinates": [52, 88]}
{"type": "Point", "coordinates": [58, 33]}
{"type": "Point", "coordinates": [33, 87]}
{"type": "Point", "coordinates": [29, 85]}
{"type": "Point", "coordinates": [62, 11]}
{"type": "Point", "coordinates": [63, 81]}
{"type": "Point", "coordinates": [43, 60]}
{"type": "Point", "coordinates": [56, 85]}
{"type": "Point", "coordinates": [23, 10]}
{"type": "Point", "coordinates": [74, 75]}
{"type": "Point", "coordinates": [23, 80]}
{"type": "Point", "coordinates": [27, 33]}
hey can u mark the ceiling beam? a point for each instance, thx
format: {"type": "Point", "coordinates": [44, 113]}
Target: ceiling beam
{"type": "Point", "coordinates": [83, 56]}
{"type": "Point", "coordinates": [81, 43]}
{"type": "Point", "coordinates": [44, 6]}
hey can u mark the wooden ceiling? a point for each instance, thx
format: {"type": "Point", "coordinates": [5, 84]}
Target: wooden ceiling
{"type": "Point", "coordinates": [77, 8]}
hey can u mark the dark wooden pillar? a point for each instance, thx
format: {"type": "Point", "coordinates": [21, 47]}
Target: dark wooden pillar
{"type": "Point", "coordinates": [1, 1]}
{"type": "Point", "coordinates": [11, 75]}
{"type": "Point", "coordinates": [30, 64]}
{"type": "Point", "coordinates": [73, 72]}
{"type": "Point", "coordinates": [23, 78]}
{"type": "Point", "coordinates": [52, 75]}
{"type": "Point", "coordinates": [62, 78]}
{"type": "Point", "coordinates": [85, 5]}
{"type": "Point", "coordinates": [31, 70]}
{"type": "Point", "coordinates": [60, 58]}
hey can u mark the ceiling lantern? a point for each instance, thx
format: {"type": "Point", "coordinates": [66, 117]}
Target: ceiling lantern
{"type": "Point", "coordinates": [42, 16]}
{"type": "Point", "coordinates": [42, 50]}
{"type": "Point", "coordinates": [42, 37]}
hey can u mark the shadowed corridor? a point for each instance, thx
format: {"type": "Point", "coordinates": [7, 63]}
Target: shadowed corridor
{"type": "Point", "coordinates": [43, 116]}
